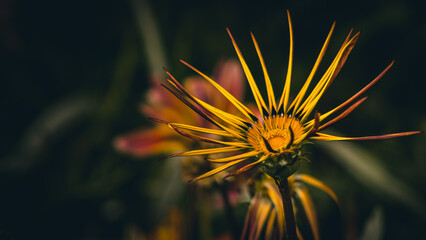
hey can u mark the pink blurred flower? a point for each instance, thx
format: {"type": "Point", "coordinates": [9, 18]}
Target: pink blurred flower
{"type": "Point", "coordinates": [160, 104]}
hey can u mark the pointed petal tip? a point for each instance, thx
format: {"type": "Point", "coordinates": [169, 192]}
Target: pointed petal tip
{"type": "Point", "coordinates": [232, 174]}
{"type": "Point", "coordinates": [288, 17]}
{"type": "Point", "coordinates": [195, 179]}
{"type": "Point", "coordinates": [187, 64]}
{"type": "Point", "coordinates": [356, 37]}
{"type": "Point", "coordinates": [171, 155]}
{"type": "Point", "coordinates": [229, 33]}
{"type": "Point", "coordinates": [326, 137]}
{"type": "Point", "coordinates": [240, 171]}
{"type": "Point", "coordinates": [163, 157]}
{"type": "Point", "coordinates": [184, 62]}
{"type": "Point", "coordinates": [157, 120]}
{"type": "Point", "coordinates": [228, 175]}
{"type": "Point", "coordinates": [403, 134]}
{"type": "Point", "coordinates": [163, 85]}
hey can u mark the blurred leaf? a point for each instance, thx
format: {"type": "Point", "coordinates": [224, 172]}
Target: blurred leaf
{"type": "Point", "coordinates": [94, 170]}
{"type": "Point", "coordinates": [373, 228]}
{"type": "Point", "coordinates": [366, 168]}
{"type": "Point", "coordinates": [122, 77]}
{"type": "Point", "coordinates": [150, 36]}
{"type": "Point", "coordinates": [168, 187]}
{"type": "Point", "coordinates": [55, 120]}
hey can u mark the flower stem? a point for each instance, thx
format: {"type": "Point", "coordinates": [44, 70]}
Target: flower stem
{"type": "Point", "coordinates": [290, 222]}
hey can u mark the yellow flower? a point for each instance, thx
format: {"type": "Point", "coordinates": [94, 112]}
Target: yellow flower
{"type": "Point", "coordinates": [275, 138]}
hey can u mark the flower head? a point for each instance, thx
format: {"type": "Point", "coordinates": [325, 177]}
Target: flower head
{"type": "Point", "coordinates": [274, 138]}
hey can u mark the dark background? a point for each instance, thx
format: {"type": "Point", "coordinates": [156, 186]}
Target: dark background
{"type": "Point", "coordinates": [73, 74]}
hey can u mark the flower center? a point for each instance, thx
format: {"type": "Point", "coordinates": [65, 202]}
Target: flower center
{"type": "Point", "coordinates": [278, 138]}
{"type": "Point", "coordinates": [275, 134]}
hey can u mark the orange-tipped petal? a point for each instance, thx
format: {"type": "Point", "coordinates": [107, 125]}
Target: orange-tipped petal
{"type": "Point", "coordinates": [342, 115]}
{"type": "Point", "coordinates": [318, 184]}
{"type": "Point", "coordinates": [363, 90]}
{"type": "Point", "coordinates": [309, 208]}
{"type": "Point", "coordinates": [247, 167]}
{"type": "Point", "coordinates": [327, 137]}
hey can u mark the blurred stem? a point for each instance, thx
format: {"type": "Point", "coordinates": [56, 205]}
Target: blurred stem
{"type": "Point", "coordinates": [229, 211]}
{"type": "Point", "coordinates": [193, 212]}
{"type": "Point", "coordinates": [290, 222]}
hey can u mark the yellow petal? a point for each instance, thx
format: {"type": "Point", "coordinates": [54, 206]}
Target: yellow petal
{"type": "Point", "coordinates": [230, 119]}
{"type": "Point", "coordinates": [181, 89]}
{"type": "Point", "coordinates": [247, 167]}
{"type": "Point", "coordinates": [270, 225]}
{"type": "Point", "coordinates": [327, 137]}
{"type": "Point", "coordinates": [249, 215]}
{"type": "Point", "coordinates": [328, 77]}
{"type": "Point", "coordinates": [309, 207]}
{"type": "Point", "coordinates": [286, 92]}
{"type": "Point", "coordinates": [359, 93]}
{"type": "Point", "coordinates": [216, 170]}
{"type": "Point", "coordinates": [342, 115]}
{"type": "Point", "coordinates": [275, 197]}
{"type": "Point", "coordinates": [261, 215]}
{"type": "Point", "coordinates": [209, 140]}
{"type": "Point", "coordinates": [202, 130]}
{"type": "Point", "coordinates": [302, 92]}
{"type": "Point", "coordinates": [257, 96]}
{"type": "Point", "coordinates": [269, 89]}
{"type": "Point", "coordinates": [243, 109]}
{"type": "Point", "coordinates": [318, 184]}
{"type": "Point", "coordinates": [206, 151]}
{"type": "Point", "coordinates": [235, 157]}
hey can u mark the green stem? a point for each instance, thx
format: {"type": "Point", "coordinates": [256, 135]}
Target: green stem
{"type": "Point", "coordinates": [290, 222]}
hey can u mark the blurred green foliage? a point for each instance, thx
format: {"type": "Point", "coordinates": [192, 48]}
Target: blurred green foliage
{"type": "Point", "coordinates": [74, 73]}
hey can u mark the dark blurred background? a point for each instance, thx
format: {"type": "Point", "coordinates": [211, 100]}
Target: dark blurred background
{"type": "Point", "coordinates": [75, 72]}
